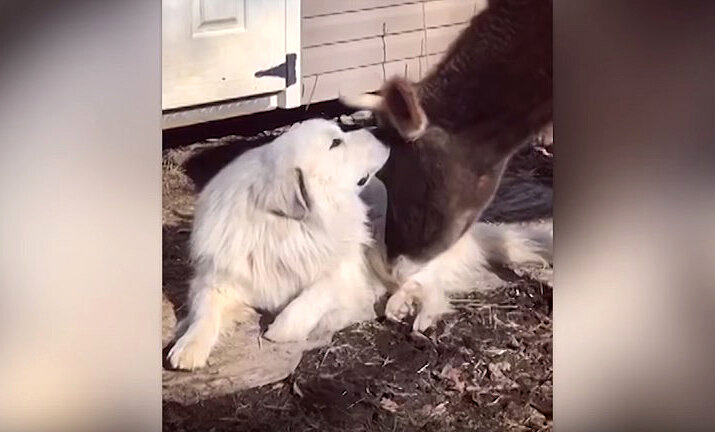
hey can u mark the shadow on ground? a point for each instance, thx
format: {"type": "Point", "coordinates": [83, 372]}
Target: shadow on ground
{"type": "Point", "coordinates": [484, 368]}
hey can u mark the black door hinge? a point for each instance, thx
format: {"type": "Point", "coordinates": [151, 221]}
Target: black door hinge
{"type": "Point", "coordinates": [284, 70]}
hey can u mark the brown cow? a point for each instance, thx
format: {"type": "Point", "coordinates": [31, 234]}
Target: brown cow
{"type": "Point", "coordinates": [451, 137]}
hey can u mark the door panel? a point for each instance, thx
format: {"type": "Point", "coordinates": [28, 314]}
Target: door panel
{"type": "Point", "coordinates": [213, 50]}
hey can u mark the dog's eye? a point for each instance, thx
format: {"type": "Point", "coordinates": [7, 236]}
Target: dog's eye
{"type": "Point", "coordinates": [364, 180]}
{"type": "Point", "coordinates": [336, 142]}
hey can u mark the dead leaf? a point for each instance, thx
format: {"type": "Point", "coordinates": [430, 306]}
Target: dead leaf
{"type": "Point", "coordinates": [495, 351]}
{"type": "Point", "coordinates": [499, 378]}
{"type": "Point", "coordinates": [440, 409]}
{"type": "Point", "coordinates": [426, 410]}
{"type": "Point", "coordinates": [389, 405]}
{"type": "Point", "coordinates": [497, 370]}
{"type": "Point", "coordinates": [454, 376]}
{"type": "Point", "coordinates": [430, 411]}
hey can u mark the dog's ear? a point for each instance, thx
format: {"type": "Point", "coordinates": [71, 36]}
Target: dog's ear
{"type": "Point", "coordinates": [399, 102]}
{"type": "Point", "coordinates": [287, 196]}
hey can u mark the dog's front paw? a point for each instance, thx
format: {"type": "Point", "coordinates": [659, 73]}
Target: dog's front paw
{"type": "Point", "coordinates": [423, 321]}
{"type": "Point", "coordinates": [283, 331]}
{"type": "Point", "coordinates": [400, 305]}
{"type": "Point", "coordinates": [189, 353]}
{"type": "Point", "coordinates": [434, 305]}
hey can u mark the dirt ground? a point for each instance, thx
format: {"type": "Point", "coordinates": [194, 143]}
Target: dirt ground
{"type": "Point", "coordinates": [488, 367]}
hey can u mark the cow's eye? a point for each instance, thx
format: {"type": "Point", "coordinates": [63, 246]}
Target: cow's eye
{"type": "Point", "coordinates": [336, 142]}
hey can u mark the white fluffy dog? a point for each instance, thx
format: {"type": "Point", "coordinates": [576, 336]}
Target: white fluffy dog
{"type": "Point", "coordinates": [283, 228]}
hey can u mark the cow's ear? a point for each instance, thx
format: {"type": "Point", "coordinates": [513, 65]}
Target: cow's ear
{"type": "Point", "coordinates": [397, 101]}
{"type": "Point", "coordinates": [403, 108]}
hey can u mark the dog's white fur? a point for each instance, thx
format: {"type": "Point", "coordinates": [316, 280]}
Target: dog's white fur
{"type": "Point", "coordinates": [425, 287]}
{"type": "Point", "coordinates": [262, 240]}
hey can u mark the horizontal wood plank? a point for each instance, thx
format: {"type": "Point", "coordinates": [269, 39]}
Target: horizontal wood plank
{"type": "Point", "coordinates": [385, 21]}
{"type": "Point", "coordinates": [329, 86]}
{"type": "Point", "coordinates": [359, 25]}
{"type": "Point", "coordinates": [347, 55]}
{"type": "Point", "coordinates": [432, 60]}
{"type": "Point", "coordinates": [310, 8]}
{"type": "Point", "coordinates": [439, 39]}
{"type": "Point", "coordinates": [445, 12]}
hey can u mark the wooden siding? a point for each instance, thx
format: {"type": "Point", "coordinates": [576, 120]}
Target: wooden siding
{"type": "Point", "coordinates": [359, 25]}
{"type": "Point", "coordinates": [365, 52]}
{"type": "Point", "coordinates": [313, 8]}
{"type": "Point", "coordinates": [352, 46]}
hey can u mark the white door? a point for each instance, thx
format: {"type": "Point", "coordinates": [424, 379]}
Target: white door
{"type": "Point", "coordinates": [215, 50]}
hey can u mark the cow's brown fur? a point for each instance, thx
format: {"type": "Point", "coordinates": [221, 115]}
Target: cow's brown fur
{"type": "Point", "coordinates": [487, 96]}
